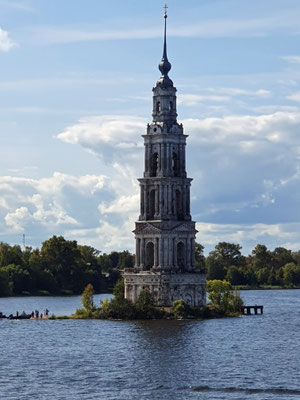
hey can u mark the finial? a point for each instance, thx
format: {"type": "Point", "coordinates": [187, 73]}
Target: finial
{"type": "Point", "coordinates": [165, 14]}
{"type": "Point", "coordinates": [164, 65]}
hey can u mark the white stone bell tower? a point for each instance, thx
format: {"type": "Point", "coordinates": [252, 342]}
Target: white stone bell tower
{"type": "Point", "coordinates": [165, 232]}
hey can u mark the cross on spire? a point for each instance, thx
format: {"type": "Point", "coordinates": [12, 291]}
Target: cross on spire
{"type": "Point", "coordinates": [165, 7]}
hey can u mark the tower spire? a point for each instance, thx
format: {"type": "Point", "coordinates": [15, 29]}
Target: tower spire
{"type": "Point", "coordinates": [165, 66]}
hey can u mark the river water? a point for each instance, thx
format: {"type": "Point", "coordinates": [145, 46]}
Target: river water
{"type": "Point", "coordinates": [251, 357]}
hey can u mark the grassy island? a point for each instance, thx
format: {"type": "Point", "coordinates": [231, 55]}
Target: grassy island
{"type": "Point", "coordinates": [224, 302]}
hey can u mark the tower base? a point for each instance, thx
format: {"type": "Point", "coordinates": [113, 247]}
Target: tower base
{"type": "Point", "coordinates": [166, 287]}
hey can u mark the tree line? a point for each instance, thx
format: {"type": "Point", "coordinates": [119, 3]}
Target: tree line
{"type": "Point", "coordinates": [263, 267]}
{"type": "Point", "coordinates": [60, 267]}
{"type": "Point", "coordinates": [64, 267]}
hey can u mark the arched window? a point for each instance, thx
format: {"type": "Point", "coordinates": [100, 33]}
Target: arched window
{"type": "Point", "coordinates": [158, 107]}
{"type": "Point", "coordinates": [179, 208]}
{"type": "Point", "coordinates": [149, 255]}
{"type": "Point", "coordinates": [180, 255]}
{"type": "Point", "coordinates": [154, 164]}
{"type": "Point", "coordinates": [171, 106]}
{"type": "Point", "coordinates": [152, 204]}
{"type": "Point", "coordinates": [175, 164]}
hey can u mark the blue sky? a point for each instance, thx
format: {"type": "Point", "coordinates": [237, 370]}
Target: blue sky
{"type": "Point", "coordinates": [75, 97]}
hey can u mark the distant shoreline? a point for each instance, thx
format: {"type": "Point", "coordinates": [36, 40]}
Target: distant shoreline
{"type": "Point", "coordinates": [235, 287]}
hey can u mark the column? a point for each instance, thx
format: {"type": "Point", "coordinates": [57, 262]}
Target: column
{"type": "Point", "coordinates": [142, 253]}
{"type": "Point", "coordinates": [161, 252]}
{"type": "Point", "coordinates": [159, 157]}
{"type": "Point", "coordinates": [163, 158]}
{"type": "Point", "coordinates": [165, 210]}
{"type": "Point", "coordinates": [169, 200]}
{"type": "Point", "coordinates": [155, 252]}
{"type": "Point", "coordinates": [145, 202]}
{"type": "Point", "coordinates": [188, 253]}
{"type": "Point", "coordinates": [156, 211]}
{"type": "Point", "coordinates": [169, 160]}
{"type": "Point", "coordinates": [161, 194]}
{"type": "Point", "coordinates": [137, 252]}
{"type": "Point", "coordinates": [166, 253]}
{"type": "Point", "coordinates": [175, 253]}
{"type": "Point", "coordinates": [188, 200]}
{"type": "Point", "coordinates": [193, 252]}
{"type": "Point", "coordinates": [171, 264]}
{"type": "Point", "coordinates": [146, 158]}
{"type": "Point", "coordinates": [141, 200]}
{"type": "Point", "coordinates": [173, 200]}
{"type": "Point", "coordinates": [184, 201]}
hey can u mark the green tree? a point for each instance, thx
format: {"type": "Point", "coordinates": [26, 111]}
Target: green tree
{"type": "Point", "coordinates": [199, 257]}
{"type": "Point", "coordinates": [126, 260]}
{"type": "Point", "coordinates": [281, 257]}
{"type": "Point", "coordinates": [87, 298]}
{"type": "Point", "coordinates": [63, 258]}
{"type": "Point", "coordinates": [6, 285]}
{"type": "Point", "coordinates": [215, 269]}
{"type": "Point", "coordinates": [224, 256]}
{"type": "Point", "coordinates": [222, 297]}
{"type": "Point", "coordinates": [291, 274]}
{"type": "Point", "coordinates": [261, 257]}
{"type": "Point", "coordinates": [114, 258]}
{"type": "Point", "coordinates": [262, 276]}
{"type": "Point", "coordinates": [145, 306]}
{"type": "Point", "coordinates": [20, 278]}
{"type": "Point", "coordinates": [235, 276]}
{"type": "Point", "coordinates": [119, 290]}
{"type": "Point", "coordinates": [10, 255]}
{"type": "Point", "coordinates": [272, 277]}
{"type": "Point", "coordinates": [105, 263]}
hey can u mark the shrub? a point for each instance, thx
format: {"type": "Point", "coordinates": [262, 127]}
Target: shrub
{"type": "Point", "coordinates": [223, 298]}
{"type": "Point", "coordinates": [145, 308]}
{"type": "Point", "coordinates": [180, 309]}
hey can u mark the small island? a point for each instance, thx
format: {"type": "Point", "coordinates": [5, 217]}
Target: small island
{"type": "Point", "coordinates": [224, 302]}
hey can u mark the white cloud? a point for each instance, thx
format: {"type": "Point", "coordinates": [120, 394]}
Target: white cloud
{"type": "Point", "coordinates": [294, 96]}
{"type": "Point", "coordinates": [246, 185]}
{"type": "Point", "coordinates": [193, 99]}
{"type": "Point", "coordinates": [6, 43]}
{"type": "Point", "coordinates": [241, 92]}
{"type": "Point", "coordinates": [17, 219]}
{"type": "Point", "coordinates": [249, 235]}
{"type": "Point", "coordinates": [48, 204]}
{"type": "Point", "coordinates": [242, 165]}
{"type": "Point", "coordinates": [292, 59]}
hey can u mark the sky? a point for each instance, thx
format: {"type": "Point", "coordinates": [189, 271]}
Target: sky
{"type": "Point", "coordinates": [76, 79]}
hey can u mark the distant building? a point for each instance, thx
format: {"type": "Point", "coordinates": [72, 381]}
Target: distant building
{"type": "Point", "coordinates": [165, 233]}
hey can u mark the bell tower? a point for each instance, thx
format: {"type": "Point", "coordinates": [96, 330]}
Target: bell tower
{"type": "Point", "coordinates": [165, 233]}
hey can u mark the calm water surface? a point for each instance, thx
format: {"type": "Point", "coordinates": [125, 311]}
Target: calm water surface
{"type": "Point", "coordinates": [255, 357]}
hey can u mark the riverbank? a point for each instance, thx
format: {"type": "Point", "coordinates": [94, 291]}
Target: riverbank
{"type": "Point", "coordinates": [264, 287]}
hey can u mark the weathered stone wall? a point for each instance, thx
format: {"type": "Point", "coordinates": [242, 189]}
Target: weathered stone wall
{"type": "Point", "coordinates": [167, 287]}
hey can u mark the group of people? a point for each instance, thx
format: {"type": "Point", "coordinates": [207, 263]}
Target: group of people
{"type": "Point", "coordinates": [33, 315]}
